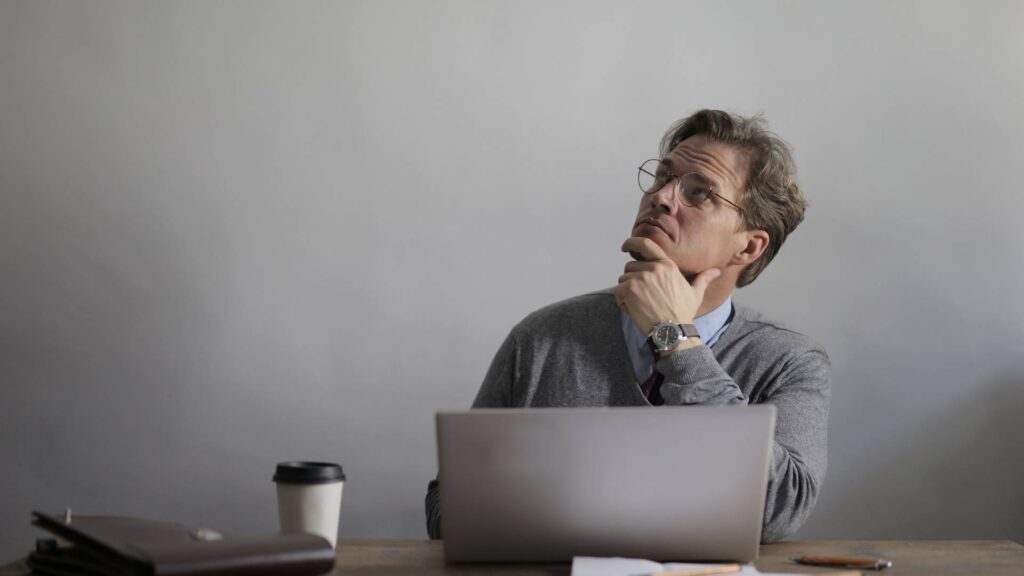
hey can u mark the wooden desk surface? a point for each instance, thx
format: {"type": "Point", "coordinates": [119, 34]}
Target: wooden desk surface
{"type": "Point", "coordinates": [932, 557]}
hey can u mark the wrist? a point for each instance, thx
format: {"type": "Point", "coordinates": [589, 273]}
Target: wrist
{"type": "Point", "coordinates": [692, 342]}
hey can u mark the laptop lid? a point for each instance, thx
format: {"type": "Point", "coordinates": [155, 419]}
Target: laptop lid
{"type": "Point", "coordinates": [547, 484]}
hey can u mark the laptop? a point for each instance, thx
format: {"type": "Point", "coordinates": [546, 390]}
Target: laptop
{"type": "Point", "coordinates": [547, 484]}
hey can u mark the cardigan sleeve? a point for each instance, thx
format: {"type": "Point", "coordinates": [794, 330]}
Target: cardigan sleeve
{"type": "Point", "coordinates": [800, 391]}
{"type": "Point", "coordinates": [800, 453]}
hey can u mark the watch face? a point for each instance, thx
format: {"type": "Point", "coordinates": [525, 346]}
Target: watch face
{"type": "Point", "coordinates": [666, 335]}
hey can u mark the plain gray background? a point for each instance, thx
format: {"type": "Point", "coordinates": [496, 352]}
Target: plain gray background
{"type": "Point", "coordinates": [234, 233]}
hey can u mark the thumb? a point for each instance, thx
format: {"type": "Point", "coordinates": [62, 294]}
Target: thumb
{"type": "Point", "coordinates": [700, 283]}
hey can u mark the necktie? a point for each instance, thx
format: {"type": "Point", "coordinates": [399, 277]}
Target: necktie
{"type": "Point", "coordinates": [652, 389]}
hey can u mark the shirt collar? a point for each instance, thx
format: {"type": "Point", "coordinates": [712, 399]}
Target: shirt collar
{"type": "Point", "coordinates": [711, 324]}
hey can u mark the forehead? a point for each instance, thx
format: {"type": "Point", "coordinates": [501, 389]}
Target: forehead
{"type": "Point", "coordinates": [720, 162]}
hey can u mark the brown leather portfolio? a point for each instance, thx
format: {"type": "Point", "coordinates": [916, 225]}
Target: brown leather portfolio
{"type": "Point", "coordinates": [116, 546]}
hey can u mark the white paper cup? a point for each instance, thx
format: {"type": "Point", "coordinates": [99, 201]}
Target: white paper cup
{"type": "Point", "coordinates": [309, 497]}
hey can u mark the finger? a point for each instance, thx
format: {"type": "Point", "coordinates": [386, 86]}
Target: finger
{"type": "Point", "coordinates": [620, 297]}
{"type": "Point", "coordinates": [634, 266]}
{"type": "Point", "coordinates": [647, 249]}
{"type": "Point", "coordinates": [628, 276]}
{"type": "Point", "coordinates": [700, 283]}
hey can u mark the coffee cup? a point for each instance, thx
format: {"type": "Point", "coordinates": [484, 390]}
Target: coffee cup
{"type": "Point", "coordinates": [309, 497]}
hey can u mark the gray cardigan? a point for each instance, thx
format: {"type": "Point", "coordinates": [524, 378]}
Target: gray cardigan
{"type": "Point", "coordinates": [573, 353]}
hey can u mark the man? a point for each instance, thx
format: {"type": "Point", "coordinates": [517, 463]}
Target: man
{"type": "Point", "coordinates": [714, 211]}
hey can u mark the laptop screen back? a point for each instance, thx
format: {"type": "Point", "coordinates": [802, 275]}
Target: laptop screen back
{"type": "Point", "coordinates": [547, 484]}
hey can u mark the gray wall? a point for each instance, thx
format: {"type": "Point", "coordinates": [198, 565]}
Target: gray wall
{"type": "Point", "coordinates": [233, 233]}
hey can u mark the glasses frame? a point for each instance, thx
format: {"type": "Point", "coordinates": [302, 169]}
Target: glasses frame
{"type": "Point", "coordinates": [678, 185]}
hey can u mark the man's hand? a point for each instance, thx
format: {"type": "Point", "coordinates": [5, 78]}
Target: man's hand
{"type": "Point", "coordinates": [653, 289]}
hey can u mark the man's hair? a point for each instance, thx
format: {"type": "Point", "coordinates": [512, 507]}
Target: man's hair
{"type": "Point", "coordinates": [771, 198]}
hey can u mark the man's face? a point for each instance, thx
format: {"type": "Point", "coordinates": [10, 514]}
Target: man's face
{"type": "Point", "coordinates": [702, 237]}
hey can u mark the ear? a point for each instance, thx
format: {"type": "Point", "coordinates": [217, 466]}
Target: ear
{"type": "Point", "coordinates": [756, 244]}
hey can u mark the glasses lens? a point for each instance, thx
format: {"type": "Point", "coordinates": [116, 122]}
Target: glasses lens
{"type": "Point", "coordinates": [652, 176]}
{"type": "Point", "coordinates": [695, 189]}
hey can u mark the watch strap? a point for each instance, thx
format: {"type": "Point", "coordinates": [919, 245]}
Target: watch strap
{"type": "Point", "coordinates": [689, 331]}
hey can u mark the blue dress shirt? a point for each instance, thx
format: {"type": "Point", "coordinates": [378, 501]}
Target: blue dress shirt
{"type": "Point", "coordinates": [710, 326]}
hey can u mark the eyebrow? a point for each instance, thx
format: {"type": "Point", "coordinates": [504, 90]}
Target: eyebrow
{"type": "Point", "coordinates": [671, 165]}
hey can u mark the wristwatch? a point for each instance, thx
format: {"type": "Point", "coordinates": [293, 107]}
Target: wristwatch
{"type": "Point", "coordinates": [666, 335]}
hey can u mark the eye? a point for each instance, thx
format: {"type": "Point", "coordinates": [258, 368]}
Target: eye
{"type": "Point", "coordinates": [698, 193]}
{"type": "Point", "coordinates": [696, 188]}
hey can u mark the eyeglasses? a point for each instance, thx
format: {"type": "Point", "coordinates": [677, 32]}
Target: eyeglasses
{"type": "Point", "coordinates": [692, 188]}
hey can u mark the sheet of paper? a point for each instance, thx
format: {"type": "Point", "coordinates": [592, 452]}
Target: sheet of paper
{"type": "Point", "coordinates": [592, 566]}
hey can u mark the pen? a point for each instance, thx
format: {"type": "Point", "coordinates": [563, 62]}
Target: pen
{"type": "Point", "coordinates": [844, 562]}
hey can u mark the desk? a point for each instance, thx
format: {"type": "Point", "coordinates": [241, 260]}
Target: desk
{"type": "Point", "coordinates": [923, 557]}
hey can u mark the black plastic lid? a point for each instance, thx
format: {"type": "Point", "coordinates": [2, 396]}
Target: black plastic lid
{"type": "Point", "coordinates": [308, 473]}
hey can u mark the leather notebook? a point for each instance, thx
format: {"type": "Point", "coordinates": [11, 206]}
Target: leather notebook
{"type": "Point", "coordinates": [117, 546]}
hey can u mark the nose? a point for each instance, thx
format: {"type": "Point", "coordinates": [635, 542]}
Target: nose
{"type": "Point", "coordinates": [665, 198]}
